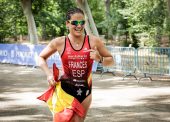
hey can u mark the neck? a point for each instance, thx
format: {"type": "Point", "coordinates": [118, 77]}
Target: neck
{"type": "Point", "coordinates": [76, 39]}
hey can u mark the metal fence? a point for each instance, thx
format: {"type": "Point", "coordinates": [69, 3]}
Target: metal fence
{"type": "Point", "coordinates": [148, 61]}
{"type": "Point", "coordinates": [153, 61]}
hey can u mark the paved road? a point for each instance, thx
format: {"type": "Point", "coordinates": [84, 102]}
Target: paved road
{"type": "Point", "coordinates": [114, 99]}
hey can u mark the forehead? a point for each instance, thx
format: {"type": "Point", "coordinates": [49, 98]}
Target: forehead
{"type": "Point", "coordinates": [77, 16]}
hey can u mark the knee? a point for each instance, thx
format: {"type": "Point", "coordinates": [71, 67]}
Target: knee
{"type": "Point", "coordinates": [77, 118]}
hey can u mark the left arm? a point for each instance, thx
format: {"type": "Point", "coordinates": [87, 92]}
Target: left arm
{"type": "Point", "coordinates": [100, 53]}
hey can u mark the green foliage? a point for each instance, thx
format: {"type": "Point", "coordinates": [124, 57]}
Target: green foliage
{"type": "Point", "coordinates": [126, 17]}
{"type": "Point", "coordinates": [98, 14]}
{"type": "Point", "coordinates": [50, 18]}
{"type": "Point", "coordinates": [144, 16]}
{"type": "Point", "coordinates": [12, 22]}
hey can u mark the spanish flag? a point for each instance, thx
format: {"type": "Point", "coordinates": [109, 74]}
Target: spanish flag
{"type": "Point", "coordinates": [61, 104]}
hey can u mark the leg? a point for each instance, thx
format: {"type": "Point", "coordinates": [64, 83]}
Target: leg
{"type": "Point", "coordinates": [76, 118]}
{"type": "Point", "coordinates": [86, 104]}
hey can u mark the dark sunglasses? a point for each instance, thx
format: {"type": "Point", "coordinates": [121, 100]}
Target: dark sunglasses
{"type": "Point", "coordinates": [77, 22]}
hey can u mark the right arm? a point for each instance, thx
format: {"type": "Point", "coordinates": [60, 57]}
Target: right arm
{"type": "Point", "coordinates": [51, 48]}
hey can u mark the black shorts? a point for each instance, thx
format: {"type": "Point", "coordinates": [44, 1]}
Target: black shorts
{"type": "Point", "coordinates": [77, 88]}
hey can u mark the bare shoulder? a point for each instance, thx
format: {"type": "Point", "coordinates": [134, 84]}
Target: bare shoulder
{"type": "Point", "coordinates": [57, 43]}
{"type": "Point", "coordinates": [95, 41]}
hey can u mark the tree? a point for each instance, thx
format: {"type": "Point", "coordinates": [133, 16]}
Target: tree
{"type": "Point", "coordinates": [127, 17]}
{"type": "Point", "coordinates": [145, 17]}
{"type": "Point", "coordinates": [32, 31]}
{"type": "Point", "coordinates": [108, 19]}
{"type": "Point", "coordinates": [90, 25]}
{"type": "Point", "coordinates": [12, 22]}
{"type": "Point", "coordinates": [167, 19]}
{"type": "Point", "coordinates": [168, 6]}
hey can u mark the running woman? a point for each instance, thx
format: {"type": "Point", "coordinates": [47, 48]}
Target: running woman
{"type": "Point", "coordinates": [73, 95]}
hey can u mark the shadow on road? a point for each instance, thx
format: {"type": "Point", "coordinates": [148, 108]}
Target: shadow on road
{"type": "Point", "coordinates": [114, 99]}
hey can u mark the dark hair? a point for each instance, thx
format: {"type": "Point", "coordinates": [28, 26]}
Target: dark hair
{"type": "Point", "coordinates": [73, 11]}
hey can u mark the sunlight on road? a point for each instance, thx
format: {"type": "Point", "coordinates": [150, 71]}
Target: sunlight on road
{"type": "Point", "coordinates": [21, 117]}
{"type": "Point", "coordinates": [24, 98]}
{"type": "Point", "coordinates": [126, 96]}
{"type": "Point", "coordinates": [113, 98]}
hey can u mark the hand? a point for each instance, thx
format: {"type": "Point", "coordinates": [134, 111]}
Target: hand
{"type": "Point", "coordinates": [51, 80]}
{"type": "Point", "coordinates": [94, 54]}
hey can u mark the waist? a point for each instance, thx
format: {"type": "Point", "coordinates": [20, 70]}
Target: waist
{"type": "Point", "coordinates": [77, 88]}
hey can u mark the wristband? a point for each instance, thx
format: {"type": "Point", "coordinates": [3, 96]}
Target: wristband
{"type": "Point", "coordinates": [101, 60]}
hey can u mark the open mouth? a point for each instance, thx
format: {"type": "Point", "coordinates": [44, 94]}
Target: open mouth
{"type": "Point", "coordinates": [78, 29]}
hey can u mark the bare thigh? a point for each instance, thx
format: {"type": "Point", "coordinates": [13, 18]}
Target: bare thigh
{"type": "Point", "coordinates": [86, 104]}
{"type": "Point", "coordinates": [76, 118]}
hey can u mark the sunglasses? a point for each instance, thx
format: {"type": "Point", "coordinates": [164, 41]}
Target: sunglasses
{"type": "Point", "coordinates": [77, 22]}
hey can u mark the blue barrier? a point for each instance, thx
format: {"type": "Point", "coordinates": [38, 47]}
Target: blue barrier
{"type": "Point", "coordinates": [153, 61]}
{"type": "Point", "coordinates": [125, 61]}
{"type": "Point", "coordinates": [27, 54]}
{"type": "Point", "coordinates": [145, 60]}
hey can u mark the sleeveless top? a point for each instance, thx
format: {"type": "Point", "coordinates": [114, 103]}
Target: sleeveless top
{"type": "Point", "coordinates": [77, 67]}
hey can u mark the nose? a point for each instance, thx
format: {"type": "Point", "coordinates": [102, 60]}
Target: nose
{"type": "Point", "coordinates": [79, 25]}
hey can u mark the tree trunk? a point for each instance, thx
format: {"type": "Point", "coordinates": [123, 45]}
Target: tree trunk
{"type": "Point", "coordinates": [158, 36]}
{"type": "Point", "coordinates": [119, 26]}
{"type": "Point", "coordinates": [90, 25]}
{"type": "Point", "coordinates": [168, 6]}
{"type": "Point", "coordinates": [108, 18]}
{"type": "Point", "coordinates": [44, 33]}
{"type": "Point", "coordinates": [168, 18]}
{"type": "Point", "coordinates": [32, 32]}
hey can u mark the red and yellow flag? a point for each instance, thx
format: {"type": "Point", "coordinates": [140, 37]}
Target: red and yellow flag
{"type": "Point", "coordinates": [61, 104]}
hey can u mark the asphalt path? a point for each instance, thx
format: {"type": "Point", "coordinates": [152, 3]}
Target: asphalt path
{"type": "Point", "coordinates": [114, 99]}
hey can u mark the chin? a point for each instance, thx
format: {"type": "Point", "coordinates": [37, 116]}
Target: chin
{"type": "Point", "coordinates": [78, 33]}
